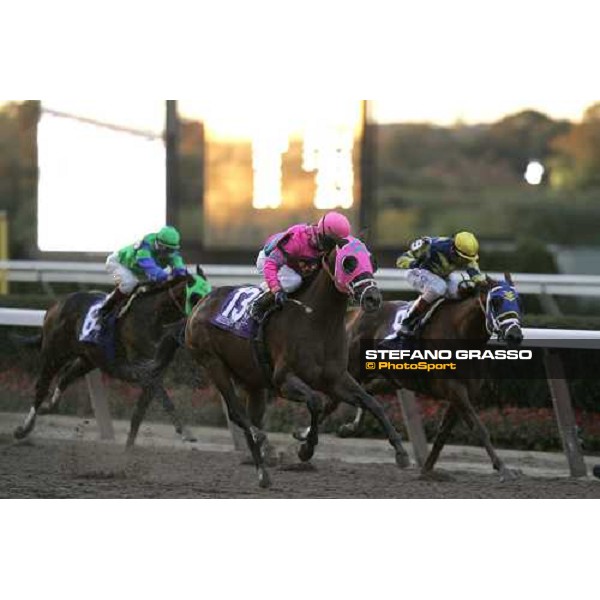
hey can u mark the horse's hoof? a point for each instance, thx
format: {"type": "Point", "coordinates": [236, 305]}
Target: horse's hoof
{"type": "Point", "coordinates": [402, 460]}
{"type": "Point", "coordinates": [20, 432]}
{"type": "Point", "coordinates": [264, 479]}
{"type": "Point", "coordinates": [596, 471]}
{"type": "Point", "coordinates": [510, 474]}
{"type": "Point", "coordinates": [300, 434]}
{"type": "Point", "coordinates": [306, 452]}
{"type": "Point", "coordinates": [188, 436]}
{"type": "Point", "coordinates": [347, 430]}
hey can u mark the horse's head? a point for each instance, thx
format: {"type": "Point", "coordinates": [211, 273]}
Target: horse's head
{"type": "Point", "coordinates": [351, 267]}
{"type": "Point", "coordinates": [196, 288]}
{"type": "Point", "coordinates": [503, 310]}
{"type": "Point", "coordinates": [183, 292]}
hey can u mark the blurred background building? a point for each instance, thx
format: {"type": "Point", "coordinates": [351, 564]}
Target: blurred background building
{"type": "Point", "coordinates": [78, 179]}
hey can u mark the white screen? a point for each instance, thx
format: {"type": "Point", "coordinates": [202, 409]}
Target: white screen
{"type": "Point", "coordinates": [99, 189]}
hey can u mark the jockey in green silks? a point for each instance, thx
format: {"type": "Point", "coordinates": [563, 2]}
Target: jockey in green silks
{"type": "Point", "coordinates": [146, 260]}
{"type": "Point", "coordinates": [437, 267]}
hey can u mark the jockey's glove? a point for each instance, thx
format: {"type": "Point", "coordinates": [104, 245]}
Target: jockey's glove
{"type": "Point", "coordinates": [280, 298]}
{"type": "Point", "coordinates": [467, 285]}
{"type": "Point", "coordinates": [159, 276]}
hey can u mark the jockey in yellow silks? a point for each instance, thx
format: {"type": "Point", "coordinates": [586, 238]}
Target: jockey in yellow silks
{"type": "Point", "coordinates": [437, 266]}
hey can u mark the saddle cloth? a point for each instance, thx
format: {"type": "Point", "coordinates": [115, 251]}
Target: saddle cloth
{"type": "Point", "coordinates": [402, 310]}
{"type": "Point", "coordinates": [92, 332]}
{"type": "Point", "coordinates": [234, 314]}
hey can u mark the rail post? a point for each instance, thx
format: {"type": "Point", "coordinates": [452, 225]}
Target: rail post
{"type": "Point", "coordinates": [563, 409]}
{"type": "Point", "coordinates": [97, 393]}
{"type": "Point", "coordinates": [414, 425]}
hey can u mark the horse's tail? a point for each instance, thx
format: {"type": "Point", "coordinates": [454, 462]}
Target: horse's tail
{"type": "Point", "coordinates": [31, 341]}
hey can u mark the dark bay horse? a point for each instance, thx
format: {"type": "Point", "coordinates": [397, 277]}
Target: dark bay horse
{"type": "Point", "coordinates": [494, 309]}
{"type": "Point", "coordinates": [136, 337]}
{"type": "Point", "coordinates": [307, 349]}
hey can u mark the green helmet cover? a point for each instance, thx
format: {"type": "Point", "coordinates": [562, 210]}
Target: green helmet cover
{"type": "Point", "coordinates": [169, 236]}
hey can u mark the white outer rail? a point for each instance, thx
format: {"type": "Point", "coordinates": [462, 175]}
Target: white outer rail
{"type": "Point", "coordinates": [219, 275]}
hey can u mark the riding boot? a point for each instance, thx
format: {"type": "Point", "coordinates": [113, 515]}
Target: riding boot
{"type": "Point", "coordinates": [261, 305]}
{"type": "Point", "coordinates": [111, 302]}
{"type": "Point", "coordinates": [412, 318]}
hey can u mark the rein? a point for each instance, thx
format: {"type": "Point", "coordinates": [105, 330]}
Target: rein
{"type": "Point", "coordinates": [180, 306]}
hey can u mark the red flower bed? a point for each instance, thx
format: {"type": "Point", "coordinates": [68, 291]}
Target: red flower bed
{"type": "Point", "coordinates": [509, 426]}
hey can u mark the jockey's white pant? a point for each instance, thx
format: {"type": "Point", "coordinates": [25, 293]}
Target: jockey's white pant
{"type": "Point", "coordinates": [123, 277]}
{"type": "Point", "coordinates": [433, 286]}
{"type": "Point", "coordinates": [288, 278]}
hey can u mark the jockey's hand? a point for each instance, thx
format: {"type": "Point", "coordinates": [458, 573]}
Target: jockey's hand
{"type": "Point", "coordinates": [467, 286]}
{"type": "Point", "coordinates": [159, 276]}
{"type": "Point", "coordinates": [280, 298]}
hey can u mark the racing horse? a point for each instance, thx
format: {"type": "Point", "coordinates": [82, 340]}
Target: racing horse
{"type": "Point", "coordinates": [155, 313]}
{"type": "Point", "coordinates": [494, 308]}
{"type": "Point", "coordinates": [305, 346]}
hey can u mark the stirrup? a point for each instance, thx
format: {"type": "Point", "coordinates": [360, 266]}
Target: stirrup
{"type": "Point", "coordinates": [409, 330]}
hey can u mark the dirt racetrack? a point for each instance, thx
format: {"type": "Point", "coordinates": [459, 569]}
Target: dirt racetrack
{"type": "Point", "coordinates": [63, 460]}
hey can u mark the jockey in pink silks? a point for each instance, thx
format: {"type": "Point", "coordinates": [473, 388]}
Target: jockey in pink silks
{"type": "Point", "coordinates": [290, 256]}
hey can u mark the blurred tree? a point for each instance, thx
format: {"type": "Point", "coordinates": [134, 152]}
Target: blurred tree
{"type": "Point", "coordinates": [577, 153]}
{"type": "Point", "coordinates": [517, 139]}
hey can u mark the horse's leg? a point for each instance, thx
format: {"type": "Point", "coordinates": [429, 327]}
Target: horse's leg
{"type": "Point", "coordinates": [295, 389]}
{"type": "Point", "coordinates": [42, 386]}
{"type": "Point", "coordinates": [355, 427]}
{"type": "Point", "coordinates": [448, 421]}
{"type": "Point", "coordinates": [169, 408]}
{"type": "Point", "coordinates": [165, 351]}
{"type": "Point", "coordinates": [327, 409]}
{"type": "Point", "coordinates": [256, 406]}
{"type": "Point", "coordinates": [460, 395]}
{"type": "Point", "coordinates": [141, 406]}
{"type": "Point", "coordinates": [254, 437]}
{"type": "Point", "coordinates": [78, 368]}
{"type": "Point", "coordinates": [346, 389]}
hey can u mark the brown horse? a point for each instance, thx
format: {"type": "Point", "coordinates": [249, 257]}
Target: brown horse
{"type": "Point", "coordinates": [307, 349]}
{"type": "Point", "coordinates": [136, 336]}
{"type": "Point", "coordinates": [494, 309]}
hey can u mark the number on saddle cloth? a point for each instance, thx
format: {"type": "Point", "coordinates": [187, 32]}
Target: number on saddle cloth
{"type": "Point", "coordinates": [234, 315]}
{"type": "Point", "coordinates": [92, 331]}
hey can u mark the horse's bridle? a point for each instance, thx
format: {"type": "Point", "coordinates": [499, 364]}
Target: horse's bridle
{"type": "Point", "coordinates": [353, 286]}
